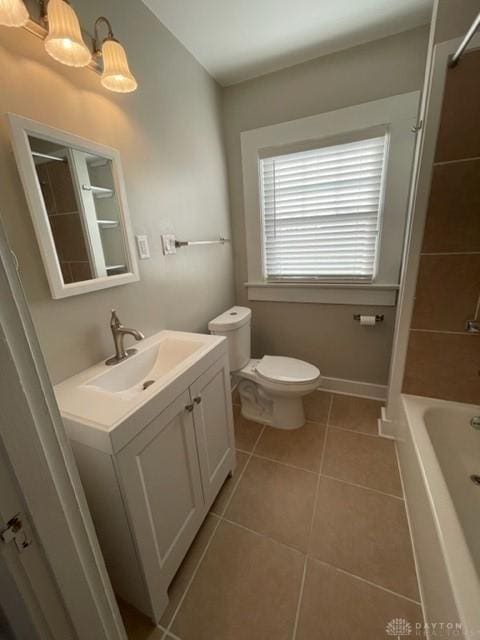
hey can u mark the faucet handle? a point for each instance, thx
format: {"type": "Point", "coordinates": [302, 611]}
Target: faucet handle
{"type": "Point", "coordinates": [114, 320]}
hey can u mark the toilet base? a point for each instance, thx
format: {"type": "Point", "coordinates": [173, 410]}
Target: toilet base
{"type": "Point", "coordinates": [281, 412]}
{"type": "Point", "coordinates": [288, 412]}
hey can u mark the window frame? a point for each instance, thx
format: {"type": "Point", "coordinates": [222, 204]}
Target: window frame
{"type": "Point", "coordinates": [396, 115]}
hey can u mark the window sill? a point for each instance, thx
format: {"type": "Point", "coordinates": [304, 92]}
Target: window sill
{"type": "Point", "coordinates": [324, 293]}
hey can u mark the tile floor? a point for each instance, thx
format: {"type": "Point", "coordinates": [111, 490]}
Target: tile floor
{"type": "Point", "coordinates": [307, 541]}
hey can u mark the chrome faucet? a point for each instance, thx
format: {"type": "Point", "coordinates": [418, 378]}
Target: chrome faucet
{"type": "Point", "coordinates": [119, 332]}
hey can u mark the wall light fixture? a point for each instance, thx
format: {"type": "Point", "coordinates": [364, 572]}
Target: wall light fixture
{"type": "Point", "coordinates": [116, 74]}
{"type": "Point", "coordinates": [13, 13]}
{"type": "Point", "coordinates": [57, 24]}
{"type": "Point", "coordinates": [64, 41]}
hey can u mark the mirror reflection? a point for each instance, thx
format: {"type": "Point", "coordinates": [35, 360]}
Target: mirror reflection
{"type": "Point", "coordinates": [82, 206]}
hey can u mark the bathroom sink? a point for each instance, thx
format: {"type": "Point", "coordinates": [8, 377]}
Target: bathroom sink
{"type": "Point", "coordinates": [142, 370]}
{"type": "Point", "coordinates": [107, 404]}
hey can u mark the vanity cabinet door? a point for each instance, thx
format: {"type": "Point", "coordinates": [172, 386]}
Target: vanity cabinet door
{"type": "Point", "coordinates": [161, 482]}
{"type": "Point", "coordinates": [211, 396]}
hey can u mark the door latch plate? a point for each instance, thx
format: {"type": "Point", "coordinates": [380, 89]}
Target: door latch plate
{"type": "Point", "coordinates": [15, 531]}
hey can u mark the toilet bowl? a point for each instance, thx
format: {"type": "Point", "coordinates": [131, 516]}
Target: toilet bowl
{"type": "Point", "coordinates": [271, 388]}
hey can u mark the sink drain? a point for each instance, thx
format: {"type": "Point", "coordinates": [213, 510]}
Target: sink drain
{"type": "Point", "coordinates": [147, 383]}
{"type": "Point", "coordinates": [475, 479]}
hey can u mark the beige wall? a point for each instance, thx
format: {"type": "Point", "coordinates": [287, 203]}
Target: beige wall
{"type": "Point", "coordinates": [324, 334]}
{"type": "Point", "coordinates": [170, 139]}
{"type": "Point", "coordinates": [454, 18]}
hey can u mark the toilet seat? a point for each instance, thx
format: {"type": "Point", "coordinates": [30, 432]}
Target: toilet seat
{"type": "Point", "coordinates": [286, 370]}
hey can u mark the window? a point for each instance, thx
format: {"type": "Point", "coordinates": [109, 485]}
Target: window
{"type": "Point", "coordinates": [325, 202]}
{"type": "Point", "coordinates": [322, 211]}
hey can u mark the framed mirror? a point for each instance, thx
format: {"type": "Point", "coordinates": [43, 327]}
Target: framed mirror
{"type": "Point", "coordinates": [76, 195]}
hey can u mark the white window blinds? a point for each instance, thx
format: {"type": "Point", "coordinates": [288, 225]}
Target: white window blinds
{"type": "Point", "coordinates": [322, 210]}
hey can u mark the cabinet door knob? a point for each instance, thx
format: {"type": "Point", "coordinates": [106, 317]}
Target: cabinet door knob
{"type": "Point", "coordinates": [197, 400]}
{"type": "Point", "coordinates": [189, 407]}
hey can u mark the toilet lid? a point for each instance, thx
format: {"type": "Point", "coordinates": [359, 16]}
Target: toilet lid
{"type": "Point", "coordinates": [290, 370]}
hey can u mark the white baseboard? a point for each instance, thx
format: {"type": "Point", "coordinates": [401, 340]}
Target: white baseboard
{"type": "Point", "coordinates": [354, 388]}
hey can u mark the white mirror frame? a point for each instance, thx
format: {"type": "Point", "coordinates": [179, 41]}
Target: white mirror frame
{"type": "Point", "coordinates": [21, 128]}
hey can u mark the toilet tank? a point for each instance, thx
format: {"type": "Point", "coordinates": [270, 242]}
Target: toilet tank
{"type": "Point", "coordinates": [234, 324]}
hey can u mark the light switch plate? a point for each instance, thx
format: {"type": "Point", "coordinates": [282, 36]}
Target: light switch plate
{"type": "Point", "coordinates": [142, 247]}
{"type": "Point", "coordinates": [168, 244]}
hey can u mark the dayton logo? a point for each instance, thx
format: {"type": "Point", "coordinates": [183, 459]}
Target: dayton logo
{"type": "Point", "coordinates": [398, 627]}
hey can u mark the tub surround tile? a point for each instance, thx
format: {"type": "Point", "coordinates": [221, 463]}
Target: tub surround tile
{"type": "Point", "coordinates": [245, 589]}
{"type": "Point", "coordinates": [442, 365]}
{"type": "Point", "coordinates": [221, 501]}
{"type": "Point", "coordinates": [446, 365]}
{"type": "Point", "coordinates": [187, 568]}
{"type": "Point", "coordinates": [339, 606]}
{"type": "Point", "coordinates": [448, 287]}
{"type": "Point", "coordinates": [453, 223]}
{"type": "Point", "coordinates": [365, 460]}
{"type": "Point", "coordinates": [246, 431]}
{"type": "Point", "coordinates": [299, 447]}
{"type": "Point", "coordinates": [275, 500]}
{"type": "Point", "coordinates": [357, 414]}
{"type": "Point", "coordinates": [365, 533]}
{"type": "Point", "coordinates": [317, 406]}
{"type": "Point", "coordinates": [459, 133]}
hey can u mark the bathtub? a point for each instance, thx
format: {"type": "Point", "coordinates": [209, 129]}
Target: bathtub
{"type": "Point", "coordinates": [438, 452]}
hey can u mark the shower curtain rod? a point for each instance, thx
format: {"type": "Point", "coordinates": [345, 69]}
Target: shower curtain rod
{"type": "Point", "coordinates": [470, 33]}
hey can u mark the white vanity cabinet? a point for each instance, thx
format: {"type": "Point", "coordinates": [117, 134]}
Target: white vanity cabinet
{"type": "Point", "coordinates": [149, 495]}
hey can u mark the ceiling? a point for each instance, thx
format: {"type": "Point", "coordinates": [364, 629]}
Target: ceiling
{"type": "Point", "coordinates": [239, 39]}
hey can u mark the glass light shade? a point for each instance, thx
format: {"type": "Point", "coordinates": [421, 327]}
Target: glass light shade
{"type": "Point", "coordinates": [64, 41]}
{"type": "Point", "coordinates": [116, 74]}
{"type": "Point", "coordinates": [13, 13]}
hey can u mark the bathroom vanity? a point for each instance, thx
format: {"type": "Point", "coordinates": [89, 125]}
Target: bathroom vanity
{"type": "Point", "coordinates": [153, 440]}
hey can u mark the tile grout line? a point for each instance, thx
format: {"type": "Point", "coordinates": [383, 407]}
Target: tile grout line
{"type": "Point", "coordinates": [362, 486]}
{"type": "Point", "coordinates": [285, 464]}
{"type": "Point", "coordinates": [250, 454]}
{"type": "Point", "coordinates": [316, 473]}
{"type": "Point", "coordinates": [334, 426]}
{"type": "Point", "coordinates": [300, 599]}
{"type": "Point", "coordinates": [372, 584]}
{"type": "Point", "coordinates": [310, 557]}
{"type": "Point", "coordinates": [361, 433]}
{"type": "Point", "coordinates": [169, 634]}
{"type": "Point", "coordinates": [194, 573]}
{"type": "Point", "coordinates": [441, 163]}
{"type": "Point", "coordinates": [312, 520]}
{"type": "Point", "coordinates": [264, 535]}
{"type": "Point", "coordinates": [450, 253]}
{"type": "Point", "coordinates": [441, 331]}
{"type": "Point", "coordinates": [207, 546]}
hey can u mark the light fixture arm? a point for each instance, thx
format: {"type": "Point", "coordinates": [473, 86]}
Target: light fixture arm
{"type": "Point", "coordinates": [96, 39]}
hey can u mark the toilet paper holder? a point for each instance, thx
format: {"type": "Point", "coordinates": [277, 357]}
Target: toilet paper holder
{"type": "Point", "coordinates": [379, 317]}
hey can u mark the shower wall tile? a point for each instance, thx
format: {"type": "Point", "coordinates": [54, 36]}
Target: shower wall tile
{"type": "Point", "coordinates": [453, 218]}
{"type": "Point", "coordinates": [443, 365]}
{"type": "Point", "coordinates": [448, 288]}
{"type": "Point", "coordinates": [443, 360]}
{"type": "Point", "coordinates": [459, 133]}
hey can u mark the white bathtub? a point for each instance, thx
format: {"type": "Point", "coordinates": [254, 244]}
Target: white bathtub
{"type": "Point", "coordinates": [438, 451]}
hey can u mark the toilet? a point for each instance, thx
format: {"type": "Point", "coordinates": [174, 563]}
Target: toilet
{"type": "Point", "coordinates": [271, 388]}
